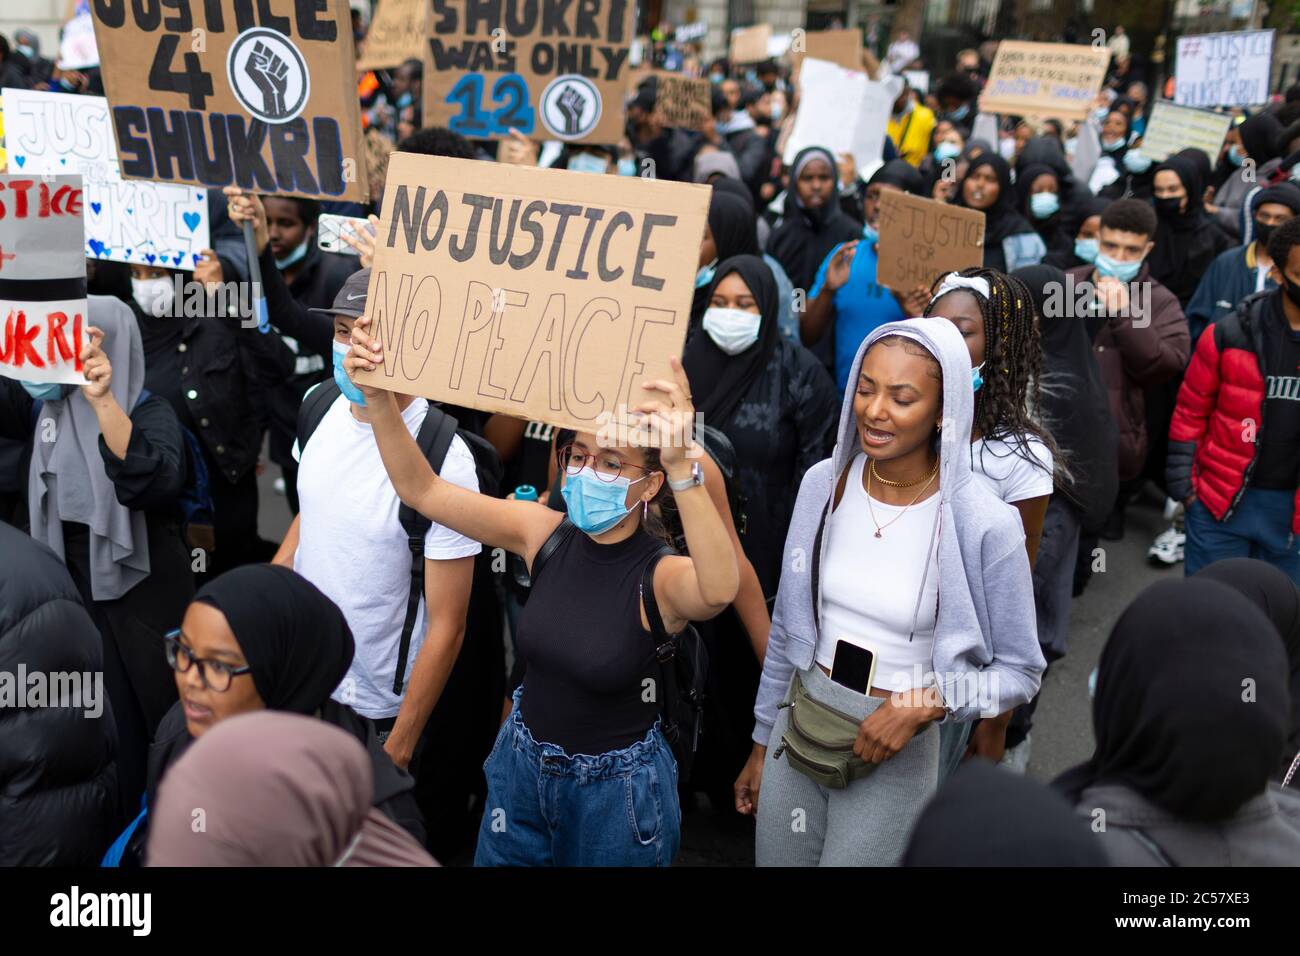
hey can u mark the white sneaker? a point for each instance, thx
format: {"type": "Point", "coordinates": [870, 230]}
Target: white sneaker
{"type": "Point", "coordinates": [1016, 759]}
{"type": "Point", "coordinates": [279, 486]}
{"type": "Point", "coordinates": [1168, 547]}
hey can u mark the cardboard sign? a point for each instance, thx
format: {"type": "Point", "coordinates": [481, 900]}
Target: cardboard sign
{"type": "Point", "coordinates": [1224, 69]}
{"type": "Point", "coordinates": [841, 47]}
{"type": "Point", "coordinates": [750, 44]}
{"type": "Point", "coordinates": [154, 224]}
{"type": "Point", "coordinates": [396, 34]}
{"type": "Point", "coordinates": [231, 92]}
{"type": "Point", "coordinates": [842, 110]}
{"type": "Point", "coordinates": [1044, 79]}
{"type": "Point", "coordinates": [549, 70]}
{"type": "Point", "coordinates": [1172, 128]}
{"type": "Point", "coordinates": [921, 239]}
{"type": "Point", "coordinates": [42, 279]}
{"type": "Point", "coordinates": [684, 102]}
{"type": "Point", "coordinates": [534, 292]}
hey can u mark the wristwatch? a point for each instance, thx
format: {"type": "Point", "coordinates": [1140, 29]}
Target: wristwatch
{"type": "Point", "coordinates": [696, 478]}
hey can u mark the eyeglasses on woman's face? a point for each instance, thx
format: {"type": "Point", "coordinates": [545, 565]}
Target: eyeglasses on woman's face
{"type": "Point", "coordinates": [607, 466]}
{"type": "Point", "coordinates": [216, 675]}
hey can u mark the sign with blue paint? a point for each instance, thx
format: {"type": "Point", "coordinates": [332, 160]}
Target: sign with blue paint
{"type": "Point", "coordinates": [259, 94]}
{"type": "Point", "coordinates": [127, 220]}
{"type": "Point", "coordinates": [1051, 80]}
{"type": "Point", "coordinates": [552, 69]}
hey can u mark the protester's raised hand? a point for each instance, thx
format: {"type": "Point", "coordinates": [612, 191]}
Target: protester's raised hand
{"type": "Point", "coordinates": [837, 272]}
{"type": "Point", "coordinates": [96, 367]}
{"type": "Point", "coordinates": [363, 242]}
{"type": "Point", "coordinates": [245, 207]}
{"type": "Point", "coordinates": [670, 423]}
{"type": "Point", "coordinates": [914, 301]}
{"type": "Point", "coordinates": [518, 150]}
{"type": "Point", "coordinates": [365, 353]}
{"type": "Point", "coordinates": [207, 270]}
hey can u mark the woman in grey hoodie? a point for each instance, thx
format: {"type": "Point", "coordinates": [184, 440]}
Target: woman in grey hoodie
{"type": "Point", "coordinates": [948, 594]}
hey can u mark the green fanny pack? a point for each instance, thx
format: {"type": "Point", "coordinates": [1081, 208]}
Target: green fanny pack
{"type": "Point", "coordinates": [819, 741]}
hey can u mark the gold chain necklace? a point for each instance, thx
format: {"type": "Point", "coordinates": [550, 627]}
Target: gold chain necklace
{"type": "Point", "coordinates": [879, 527]}
{"type": "Point", "coordinates": [901, 484]}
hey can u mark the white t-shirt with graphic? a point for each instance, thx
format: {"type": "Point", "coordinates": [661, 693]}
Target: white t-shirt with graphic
{"type": "Point", "coordinates": [352, 547]}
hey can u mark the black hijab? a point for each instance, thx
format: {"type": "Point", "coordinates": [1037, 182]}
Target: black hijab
{"type": "Point", "coordinates": [806, 236]}
{"type": "Point", "coordinates": [1174, 717]}
{"type": "Point", "coordinates": [1075, 403]}
{"type": "Point", "coordinates": [719, 381]}
{"type": "Point", "coordinates": [1047, 151]}
{"type": "Point", "coordinates": [986, 816]}
{"type": "Point", "coordinates": [735, 233]}
{"type": "Point", "coordinates": [1269, 589]}
{"type": "Point", "coordinates": [900, 173]}
{"type": "Point", "coordinates": [1173, 248]}
{"type": "Point", "coordinates": [1001, 219]}
{"type": "Point", "coordinates": [294, 638]}
{"type": "Point", "coordinates": [1259, 136]}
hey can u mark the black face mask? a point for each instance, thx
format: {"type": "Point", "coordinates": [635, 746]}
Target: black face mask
{"type": "Point", "coordinates": [1167, 208]}
{"type": "Point", "coordinates": [1293, 293]}
{"type": "Point", "coordinates": [1263, 232]}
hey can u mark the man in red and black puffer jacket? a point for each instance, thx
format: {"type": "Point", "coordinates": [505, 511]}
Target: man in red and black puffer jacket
{"type": "Point", "coordinates": [1234, 442]}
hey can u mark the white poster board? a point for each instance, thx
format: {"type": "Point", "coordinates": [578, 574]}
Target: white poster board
{"type": "Point", "coordinates": [842, 110]}
{"type": "Point", "coordinates": [1172, 128]}
{"type": "Point", "coordinates": [133, 220]}
{"type": "Point", "coordinates": [1224, 69]}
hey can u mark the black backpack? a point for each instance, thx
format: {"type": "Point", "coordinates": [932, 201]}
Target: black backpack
{"type": "Point", "coordinates": [434, 439]}
{"type": "Point", "coordinates": [683, 660]}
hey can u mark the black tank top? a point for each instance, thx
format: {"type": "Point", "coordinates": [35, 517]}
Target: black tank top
{"type": "Point", "coordinates": [587, 655]}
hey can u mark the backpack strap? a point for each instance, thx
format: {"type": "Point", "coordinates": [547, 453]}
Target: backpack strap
{"type": "Point", "coordinates": [562, 533]}
{"type": "Point", "coordinates": [434, 438]}
{"type": "Point", "coordinates": [314, 405]}
{"type": "Point", "coordinates": [665, 645]}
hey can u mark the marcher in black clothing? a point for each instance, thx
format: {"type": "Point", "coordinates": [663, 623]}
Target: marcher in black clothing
{"type": "Point", "coordinates": [770, 397]}
{"type": "Point", "coordinates": [1269, 589]}
{"type": "Point", "coordinates": [813, 223]}
{"type": "Point", "coordinates": [1187, 239]}
{"type": "Point", "coordinates": [1010, 242]}
{"type": "Point", "coordinates": [1041, 199]}
{"type": "Point", "coordinates": [728, 231]}
{"type": "Point", "coordinates": [57, 763]}
{"type": "Point", "coordinates": [105, 495]}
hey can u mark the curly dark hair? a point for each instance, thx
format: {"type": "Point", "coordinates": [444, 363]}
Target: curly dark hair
{"type": "Point", "coordinates": [438, 141]}
{"type": "Point", "coordinates": [1006, 404]}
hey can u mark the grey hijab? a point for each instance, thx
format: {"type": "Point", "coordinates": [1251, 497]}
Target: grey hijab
{"type": "Point", "coordinates": [68, 481]}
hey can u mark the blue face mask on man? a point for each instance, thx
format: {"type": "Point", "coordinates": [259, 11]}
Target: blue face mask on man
{"type": "Point", "coordinates": [349, 390]}
{"type": "Point", "coordinates": [1123, 271]}
{"type": "Point", "coordinates": [596, 505]}
{"type": "Point", "coordinates": [294, 257]}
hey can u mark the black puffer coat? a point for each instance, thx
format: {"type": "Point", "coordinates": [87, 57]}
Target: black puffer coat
{"type": "Point", "coordinates": [58, 772]}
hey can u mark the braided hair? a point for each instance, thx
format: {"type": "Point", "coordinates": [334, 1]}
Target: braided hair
{"type": "Point", "coordinates": [1006, 404]}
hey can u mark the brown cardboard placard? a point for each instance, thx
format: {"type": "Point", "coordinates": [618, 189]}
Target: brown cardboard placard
{"type": "Point", "coordinates": [842, 47]}
{"type": "Point", "coordinates": [1044, 79]}
{"type": "Point", "coordinates": [921, 239]}
{"type": "Point", "coordinates": [544, 294]}
{"type": "Point", "coordinates": [750, 44]}
{"type": "Point", "coordinates": [551, 71]}
{"type": "Point", "coordinates": [222, 92]}
{"type": "Point", "coordinates": [684, 102]}
{"type": "Point", "coordinates": [396, 34]}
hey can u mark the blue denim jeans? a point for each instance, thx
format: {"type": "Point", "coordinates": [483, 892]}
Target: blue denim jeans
{"type": "Point", "coordinates": [1259, 528]}
{"type": "Point", "coordinates": [546, 808]}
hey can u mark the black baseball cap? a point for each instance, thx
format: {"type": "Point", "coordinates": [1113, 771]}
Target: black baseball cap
{"type": "Point", "coordinates": [351, 300]}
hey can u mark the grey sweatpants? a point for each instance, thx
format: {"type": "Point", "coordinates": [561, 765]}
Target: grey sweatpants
{"type": "Point", "coordinates": [801, 823]}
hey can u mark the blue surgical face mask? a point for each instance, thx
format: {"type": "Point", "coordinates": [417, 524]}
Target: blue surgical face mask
{"type": "Point", "coordinates": [716, 78]}
{"type": "Point", "coordinates": [1111, 145]}
{"type": "Point", "coordinates": [1123, 271]}
{"type": "Point", "coordinates": [976, 379]}
{"type": "Point", "coordinates": [960, 113]}
{"type": "Point", "coordinates": [596, 505]}
{"type": "Point", "coordinates": [43, 391]}
{"type": "Point", "coordinates": [294, 257]}
{"type": "Point", "coordinates": [704, 275]}
{"type": "Point", "coordinates": [732, 330]}
{"type": "Point", "coordinates": [349, 390]}
{"type": "Point", "coordinates": [1086, 249]}
{"type": "Point", "coordinates": [588, 163]}
{"type": "Point", "coordinates": [946, 150]}
{"type": "Point", "coordinates": [1235, 155]}
{"type": "Point", "coordinates": [627, 166]}
{"type": "Point", "coordinates": [1044, 205]}
{"type": "Point", "coordinates": [1136, 163]}
{"type": "Point", "coordinates": [404, 101]}
{"type": "Point", "coordinates": [26, 51]}
{"type": "Point", "coordinates": [870, 234]}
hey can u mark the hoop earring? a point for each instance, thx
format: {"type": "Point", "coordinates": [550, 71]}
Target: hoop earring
{"type": "Point", "coordinates": [645, 511]}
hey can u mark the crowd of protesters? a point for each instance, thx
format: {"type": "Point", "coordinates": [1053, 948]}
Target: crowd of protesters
{"type": "Point", "coordinates": [925, 473]}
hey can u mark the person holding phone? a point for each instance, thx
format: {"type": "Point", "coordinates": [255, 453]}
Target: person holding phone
{"type": "Point", "coordinates": [581, 773]}
{"type": "Point", "coordinates": [908, 601]}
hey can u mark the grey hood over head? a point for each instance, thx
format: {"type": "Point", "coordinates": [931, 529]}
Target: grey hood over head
{"type": "Point", "coordinates": [986, 656]}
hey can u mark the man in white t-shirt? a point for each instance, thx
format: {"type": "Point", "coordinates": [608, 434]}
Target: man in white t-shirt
{"type": "Point", "coordinates": [347, 540]}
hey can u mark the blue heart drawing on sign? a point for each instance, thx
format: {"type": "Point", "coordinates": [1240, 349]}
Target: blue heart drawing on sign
{"type": "Point", "coordinates": [198, 195]}
{"type": "Point", "coordinates": [178, 257]}
{"type": "Point", "coordinates": [128, 252]}
{"type": "Point", "coordinates": [20, 160]}
{"type": "Point", "coordinates": [192, 220]}
{"type": "Point", "coordinates": [96, 207]}
{"type": "Point", "coordinates": [63, 162]}
{"type": "Point", "coordinates": [150, 257]}
{"type": "Point", "coordinates": [96, 246]}
{"type": "Point", "coordinates": [194, 256]}
{"type": "Point", "coordinates": [130, 211]}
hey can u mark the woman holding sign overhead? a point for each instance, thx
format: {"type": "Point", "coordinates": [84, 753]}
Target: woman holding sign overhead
{"type": "Point", "coordinates": [582, 773]}
{"type": "Point", "coordinates": [108, 470]}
